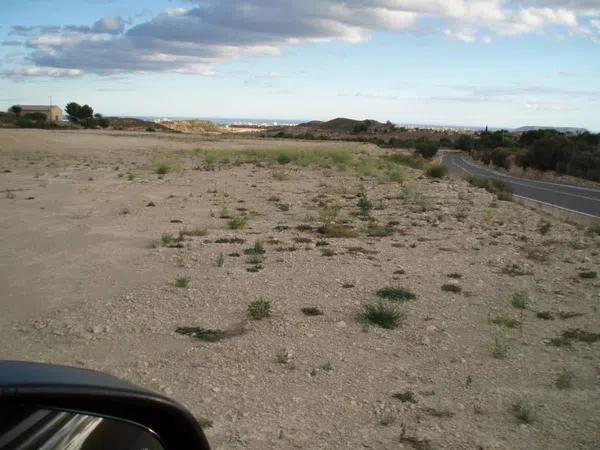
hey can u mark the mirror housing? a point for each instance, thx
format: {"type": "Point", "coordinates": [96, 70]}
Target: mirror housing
{"type": "Point", "coordinates": [94, 393]}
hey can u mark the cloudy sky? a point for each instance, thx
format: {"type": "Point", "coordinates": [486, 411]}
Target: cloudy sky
{"type": "Point", "coordinates": [464, 62]}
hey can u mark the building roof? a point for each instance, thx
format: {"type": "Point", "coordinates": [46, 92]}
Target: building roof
{"type": "Point", "coordinates": [38, 106]}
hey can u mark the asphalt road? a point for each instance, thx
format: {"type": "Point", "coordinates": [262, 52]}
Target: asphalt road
{"type": "Point", "coordinates": [572, 198]}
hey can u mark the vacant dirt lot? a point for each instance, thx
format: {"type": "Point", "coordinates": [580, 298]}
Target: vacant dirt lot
{"type": "Point", "coordinates": [91, 261]}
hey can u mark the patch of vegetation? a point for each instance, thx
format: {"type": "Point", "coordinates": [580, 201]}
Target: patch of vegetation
{"type": "Point", "coordinates": [182, 282]}
{"type": "Point", "coordinates": [544, 315]}
{"type": "Point", "coordinates": [406, 160]}
{"type": "Point", "coordinates": [259, 309]}
{"type": "Point", "coordinates": [364, 205]}
{"type": "Point", "coordinates": [237, 222]}
{"type": "Point", "coordinates": [163, 168]}
{"type": "Point", "coordinates": [302, 240]}
{"type": "Point", "coordinates": [493, 186]}
{"type": "Point", "coordinates": [396, 294]}
{"type": "Point", "coordinates": [328, 366]}
{"type": "Point", "coordinates": [519, 300]}
{"type": "Point", "coordinates": [204, 422]}
{"type": "Point", "coordinates": [383, 315]}
{"type": "Point", "coordinates": [257, 249]}
{"type": "Point", "coordinates": [499, 348]}
{"type": "Point", "coordinates": [224, 213]}
{"type": "Point", "coordinates": [522, 412]}
{"type": "Point", "coordinates": [436, 171]}
{"type": "Point", "coordinates": [283, 207]}
{"type": "Point", "coordinates": [427, 149]}
{"type": "Point", "coordinates": [337, 231]}
{"type": "Point", "coordinates": [220, 260]}
{"type": "Point", "coordinates": [230, 241]}
{"type": "Point", "coordinates": [588, 275]}
{"type": "Point", "coordinates": [376, 230]}
{"type": "Point", "coordinates": [455, 288]}
{"type": "Point", "coordinates": [506, 322]}
{"type": "Point", "coordinates": [282, 357]}
{"type": "Point", "coordinates": [564, 379]}
{"type": "Point", "coordinates": [255, 269]}
{"type": "Point", "coordinates": [455, 276]}
{"type": "Point", "coordinates": [167, 238]}
{"type": "Point", "coordinates": [194, 232]}
{"type": "Point", "coordinates": [544, 227]}
{"type": "Point", "coordinates": [312, 311]}
{"type": "Point", "coordinates": [255, 259]}
{"type": "Point", "coordinates": [201, 333]}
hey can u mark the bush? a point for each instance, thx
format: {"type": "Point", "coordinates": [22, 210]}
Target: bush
{"type": "Point", "coordinates": [427, 149]}
{"type": "Point", "coordinates": [237, 222]}
{"type": "Point", "coordinates": [283, 159]}
{"type": "Point", "coordinates": [259, 309]}
{"type": "Point", "coordinates": [383, 315]}
{"type": "Point", "coordinates": [436, 171]}
{"type": "Point", "coordinates": [103, 123]}
{"type": "Point", "coordinates": [396, 294]}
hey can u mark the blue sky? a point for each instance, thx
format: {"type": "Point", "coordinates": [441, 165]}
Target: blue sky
{"type": "Point", "coordinates": [500, 63]}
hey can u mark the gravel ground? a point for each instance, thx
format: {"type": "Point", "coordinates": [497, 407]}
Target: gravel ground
{"type": "Point", "coordinates": [87, 282]}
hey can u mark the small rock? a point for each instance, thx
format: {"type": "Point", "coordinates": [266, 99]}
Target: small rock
{"type": "Point", "coordinates": [341, 324]}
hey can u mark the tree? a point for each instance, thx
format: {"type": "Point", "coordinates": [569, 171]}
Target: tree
{"type": "Point", "coordinates": [79, 113]}
{"type": "Point", "coordinates": [16, 110]}
{"type": "Point", "coordinates": [427, 149]}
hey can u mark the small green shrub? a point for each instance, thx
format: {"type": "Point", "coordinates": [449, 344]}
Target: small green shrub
{"type": "Point", "coordinates": [327, 252]}
{"type": "Point", "coordinates": [522, 412]}
{"type": "Point", "coordinates": [163, 168]}
{"type": "Point", "coordinates": [455, 288]}
{"type": "Point", "coordinates": [436, 171]}
{"type": "Point", "coordinates": [282, 357]}
{"type": "Point", "coordinates": [519, 300]}
{"type": "Point", "coordinates": [365, 205]}
{"type": "Point", "coordinates": [427, 149]}
{"type": "Point", "coordinates": [283, 158]}
{"type": "Point", "coordinates": [328, 366]}
{"type": "Point", "coordinates": [337, 231]}
{"type": "Point", "coordinates": [224, 213]}
{"type": "Point", "coordinates": [506, 322]}
{"type": "Point", "coordinates": [588, 275]}
{"type": "Point", "coordinates": [396, 294]}
{"type": "Point", "coordinates": [545, 315]}
{"type": "Point", "coordinates": [194, 232]}
{"type": "Point", "coordinates": [220, 260]}
{"type": "Point", "coordinates": [167, 238]}
{"type": "Point", "coordinates": [237, 222]}
{"type": "Point", "coordinates": [544, 227]}
{"type": "Point", "coordinates": [182, 282]}
{"type": "Point", "coordinates": [312, 311]}
{"type": "Point", "coordinates": [257, 249]}
{"type": "Point", "coordinates": [259, 309]}
{"type": "Point", "coordinates": [376, 230]}
{"type": "Point", "coordinates": [564, 379]}
{"type": "Point", "coordinates": [383, 315]}
{"type": "Point", "coordinates": [201, 333]}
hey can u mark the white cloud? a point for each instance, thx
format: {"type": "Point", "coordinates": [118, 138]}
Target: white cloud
{"type": "Point", "coordinates": [196, 39]}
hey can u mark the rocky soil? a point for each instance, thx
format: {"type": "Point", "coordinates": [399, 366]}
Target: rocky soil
{"type": "Point", "coordinates": [480, 360]}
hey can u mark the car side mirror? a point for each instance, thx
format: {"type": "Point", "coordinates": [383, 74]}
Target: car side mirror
{"type": "Point", "coordinates": [56, 407]}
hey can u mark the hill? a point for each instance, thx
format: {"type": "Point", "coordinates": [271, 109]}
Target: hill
{"type": "Point", "coordinates": [344, 125]}
{"type": "Point", "coordinates": [572, 130]}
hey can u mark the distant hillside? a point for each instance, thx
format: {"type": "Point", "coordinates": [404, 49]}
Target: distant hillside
{"type": "Point", "coordinates": [559, 129]}
{"type": "Point", "coordinates": [131, 124]}
{"type": "Point", "coordinates": [343, 125]}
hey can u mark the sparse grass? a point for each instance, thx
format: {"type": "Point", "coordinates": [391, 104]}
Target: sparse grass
{"type": "Point", "coordinates": [163, 168]}
{"type": "Point", "coordinates": [283, 207]}
{"type": "Point", "coordinates": [237, 222]}
{"type": "Point", "coordinates": [130, 176]}
{"type": "Point", "coordinates": [194, 232]}
{"type": "Point", "coordinates": [522, 412]}
{"type": "Point", "coordinates": [224, 213]}
{"type": "Point", "coordinates": [282, 357]}
{"type": "Point", "coordinates": [230, 241]}
{"type": "Point", "coordinates": [455, 288]}
{"type": "Point", "coordinates": [254, 259]}
{"type": "Point", "coordinates": [201, 333]}
{"type": "Point", "coordinates": [337, 231]}
{"type": "Point", "coordinates": [329, 214]}
{"type": "Point", "coordinates": [220, 260]}
{"type": "Point", "coordinates": [499, 348]}
{"type": "Point", "coordinates": [259, 309]}
{"type": "Point", "coordinates": [375, 230]}
{"type": "Point", "coordinates": [383, 315]}
{"type": "Point", "coordinates": [396, 294]}
{"type": "Point", "coordinates": [167, 238]}
{"type": "Point", "coordinates": [436, 171]}
{"type": "Point", "coordinates": [500, 188]}
{"type": "Point", "coordinates": [412, 161]}
{"type": "Point", "coordinates": [519, 300]}
{"type": "Point", "coordinates": [312, 311]}
{"type": "Point", "coordinates": [544, 315]}
{"type": "Point", "coordinates": [204, 422]}
{"type": "Point", "coordinates": [544, 227]}
{"type": "Point", "coordinates": [182, 282]}
{"type": "Point", "coordinates": [564, 379]}
{"type": "Point", "coordinates": [257, 249]}
{"type": "Point", "coordinates": [506, 322]}
{"type": "Point", "coordinates": [588, 275]}
{"type": "Point", "coordinates": [364, 205]}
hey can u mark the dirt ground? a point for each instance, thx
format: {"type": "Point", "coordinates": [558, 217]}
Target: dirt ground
{"type": "Point", "coordinates": [86, 281]}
